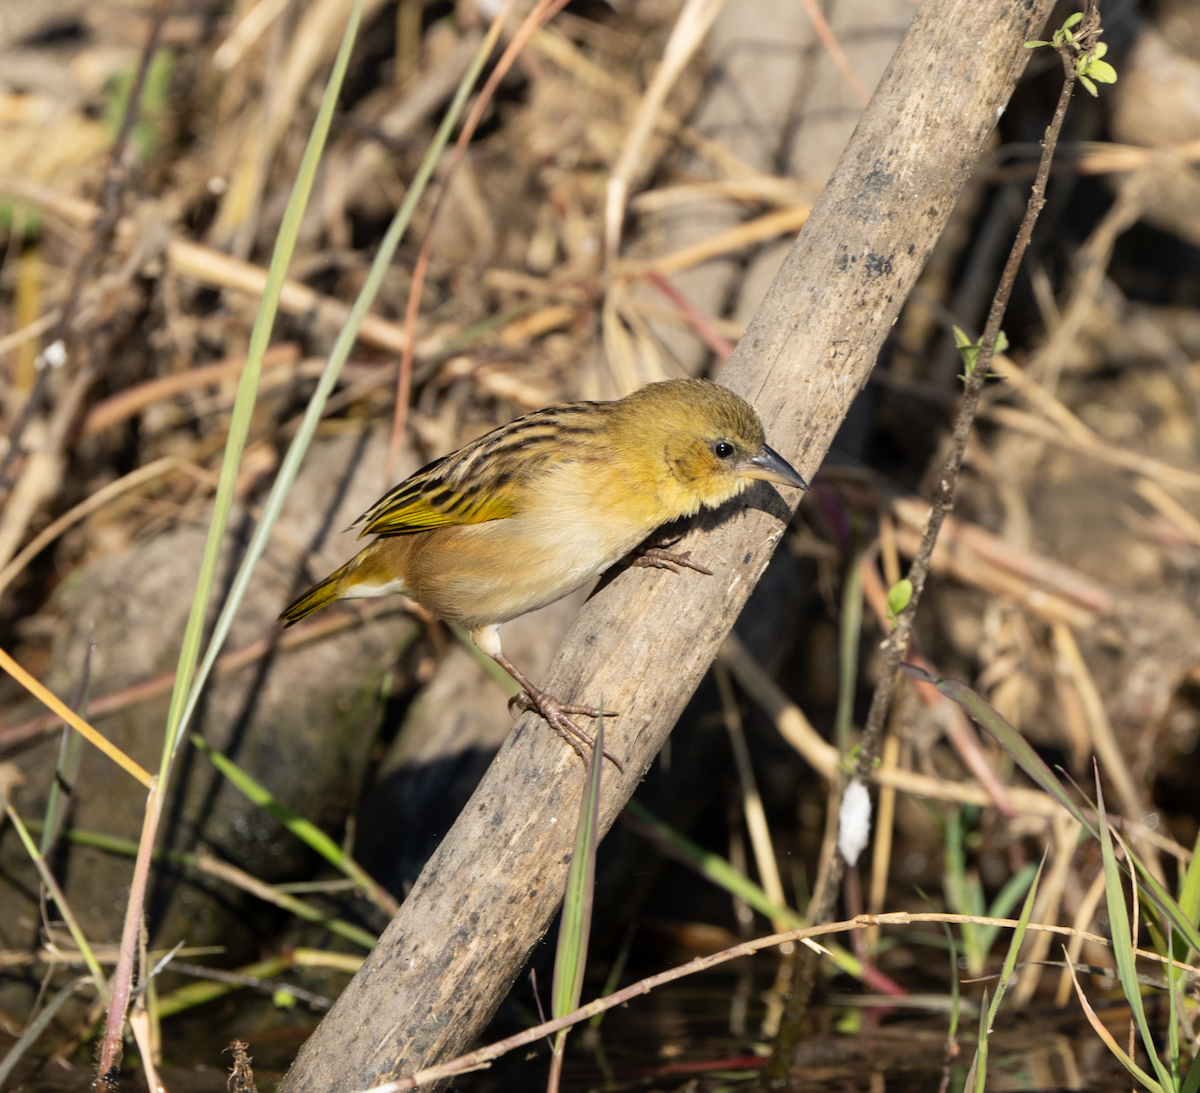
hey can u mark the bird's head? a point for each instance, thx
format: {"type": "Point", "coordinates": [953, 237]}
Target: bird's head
{"type": "Point", "coordinates": [711, 441]}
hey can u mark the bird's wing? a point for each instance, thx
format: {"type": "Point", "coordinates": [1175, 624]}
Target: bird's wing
{"type": "Point", "coordinates": [489, 478]}
{"type": "Point", "coordinates": [430, 500]}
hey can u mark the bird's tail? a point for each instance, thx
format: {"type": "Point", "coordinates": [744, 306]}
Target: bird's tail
{"type": "Point", "coordinates": [320, 595]}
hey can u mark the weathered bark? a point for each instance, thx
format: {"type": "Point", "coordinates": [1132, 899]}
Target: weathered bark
{"type": "Point", "coordinates": [643, 642]}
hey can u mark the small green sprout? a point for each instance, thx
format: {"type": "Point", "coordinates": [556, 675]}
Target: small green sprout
{"type": "Point", "coordinates": [970, 352]}
{"type": "Point", "coordinates": [1089, 67]}
{"type": "Point", "coordinates": [899, 597]}
{"type": "Point", "coordinates": [1092, 68]}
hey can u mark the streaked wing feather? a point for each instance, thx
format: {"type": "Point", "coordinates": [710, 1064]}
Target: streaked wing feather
{"type": "Point", "coordinates": [485, 479]}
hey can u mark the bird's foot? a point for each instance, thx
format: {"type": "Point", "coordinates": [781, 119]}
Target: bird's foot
{"type": "Point", "coordinates": [556, 716]}
{"type": "Point", "coordinates": [656, 557]}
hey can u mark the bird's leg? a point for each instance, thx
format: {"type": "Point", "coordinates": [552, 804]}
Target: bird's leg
{"type": "Point", "coordinates": [652, 555]}
{"type": "Point", "coordinates": [555, 712]}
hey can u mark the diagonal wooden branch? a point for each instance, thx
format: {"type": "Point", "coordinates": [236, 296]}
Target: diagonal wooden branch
{"type": "Point", "coordinates": [643, 642]}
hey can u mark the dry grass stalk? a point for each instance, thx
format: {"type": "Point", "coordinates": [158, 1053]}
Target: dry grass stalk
{"type": "Point", "coordinates": [542, 12]}
{"type": "Point", "coordinates": [18, 736]}
{"type": "Point", "coordinates": [1152, 492]}
{"type": "Point", "coordinates": [483, 1056]}
{"type": "Point", "coordinates": [76, 722]}
{"type": "Point", "coordinates": [1083, 919]}
{"type": "Point", "coordinates": [1094, 448]}
{"type": "Point", "coordinates": [689, 31]}
{"type": "Point", "coordinates": [93, 504]}
{"type": "Point", "coordinates": [834, 49]}
{"type": "Point", "coordinates": [1133, 195]}
{"type": "Point", "coordinates": [881, 851]}
{"type": "Point", "coordinates": [133, 400]}
{"type": "Point", "coordinates": [247, 32]}
{"type": "Point", "coordinates": [759, 230]}
{"type": "Point", "coordinates": [956, 558]}
{"type": "Point", "coordinates": [1104, 741]}
{"type": "Point", "coordinates": [1046, 907]}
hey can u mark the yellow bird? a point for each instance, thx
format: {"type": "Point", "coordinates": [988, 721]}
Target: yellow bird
{"type": "Point", "coordinates": [530, 511]}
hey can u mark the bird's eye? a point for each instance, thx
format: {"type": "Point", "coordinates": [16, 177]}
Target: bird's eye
{"type": "Point", "coordinates": [722, 449]}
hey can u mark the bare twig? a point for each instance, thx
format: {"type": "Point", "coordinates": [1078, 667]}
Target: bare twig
{"type": "Point", "coordinates": [484, 1056]}
{"type": "Point", "coordinates": [833, 47]}
{"type": "Point", "coordinates": [776, 1074]}
{"type": "Point", "coordinates": [18, 736]}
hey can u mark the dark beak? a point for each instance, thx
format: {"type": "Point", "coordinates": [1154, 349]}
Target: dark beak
{"type": "Point", "coordinates": [770, 466]}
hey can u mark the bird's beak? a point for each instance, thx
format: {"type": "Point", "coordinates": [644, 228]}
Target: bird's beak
{"type": "Point", "coordinates": [770, 466]}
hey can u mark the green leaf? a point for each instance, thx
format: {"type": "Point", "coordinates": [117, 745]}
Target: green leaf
{"type": "Point", "coordinates": [337, 357]}
{"type": "Point", "coordinates": [899, 597]}
{"type": "Point", "coordinates": [1073, 20]}
{"type": "Point", "coordinates": [716, 869]}
{"type": "Point", "coordinates": [1107, 1037]}
{"type": "Point", "coordinates": [1034, 44]}
{"type": "Point", "coordinates": [1089, 86]}
{"type": "Point", "coordinates": [1189, 891]}
{"type": "Point", "coordinates": [1122, 939]}
{"type": "Point", "coordinates": [182, 698]}
{"type": "Point", "coordinates": [570, 958]}
{"type": "Point", "coordinates": [1008, 738]}
{"type": "Point", "coordinates": [1029, 761]}
{"type": "Point", "coordinates": [1192, 1082]}
{"type": "Point", "coordinates": [303, 829]}
{"type": "Point", "coordinates": [1010, 959]}
{"type": "Point", "coordinates": [38, 1025]}
{"type": "Point", "coordinates": [1102, 72]}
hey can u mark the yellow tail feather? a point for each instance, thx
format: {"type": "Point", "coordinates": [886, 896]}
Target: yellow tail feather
{"type": "Point", "coordinates": [320, 595]}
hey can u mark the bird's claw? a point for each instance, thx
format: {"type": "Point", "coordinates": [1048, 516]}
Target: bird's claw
{"type": "Point", "coordinates": [555, 714]}
{"type": "Point", "coordinates": [653, 557]}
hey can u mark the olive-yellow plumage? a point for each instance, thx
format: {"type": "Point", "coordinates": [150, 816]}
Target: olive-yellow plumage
{"type": "Point", "coordinates": [527, 513]}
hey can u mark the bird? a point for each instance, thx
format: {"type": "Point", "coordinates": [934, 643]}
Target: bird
{"type": "Point", "coordinates": [528, 512]}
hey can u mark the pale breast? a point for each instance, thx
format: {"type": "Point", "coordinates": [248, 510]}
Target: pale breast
{"type": "Point", "coordinates": [564, 536]}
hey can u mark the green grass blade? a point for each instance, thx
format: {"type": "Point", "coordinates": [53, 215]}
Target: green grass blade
{"type": "Point", "coordinates": [712, 866]}
{"type": "Point", "coordinates": [205, 990]}
{"type": "Point", "coordinates": [37, 1026]}
{"type": "Point", "coordinates": [1163, 903]}
{"type": "Point", "coordinates": [571, 955]}
{"type": "Point", "coordinates": [1029, 761]}
{"type": "Point", "coordinates": [247, 393]}
{"type": "Point", "coordinates": [1014, 946]}
{"type": "Point", "coordinates": [1192, 1082]}
{"type": "Point", "coordinates": [66, 770]}
{"type": "Point", "coordinates": [113, 844]}
{"type": "Point", "coordinates": [1176, 1007]}
{"type": "Point", "coordinates": [303, 829]}
{"type": "Point", "coordinates": [65, 773]}
{"type": "Point", "coordinates": [977, 1078]}
{"type": "Point", "coordinates": [952, 1032]}
{"type": "Point", "coordinates": [290, 466]}
{"type": "Point", "coordinates": [1107, 1037]}
{"type": "Point", "coordinates": [1122, 939]}
{"type": "Point", "coordinates": [721, 873]}
{"type": "Point", "coordinates": [955, 884]}
{"type": "Point", "coordinates": [1189, 891]}
{"type": "Point", "coordinates": [1006, 899]}
{"type": "Point", "coordinates": [56, 893]}
{"type": "Point", "coordinates": [1008, 738]}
